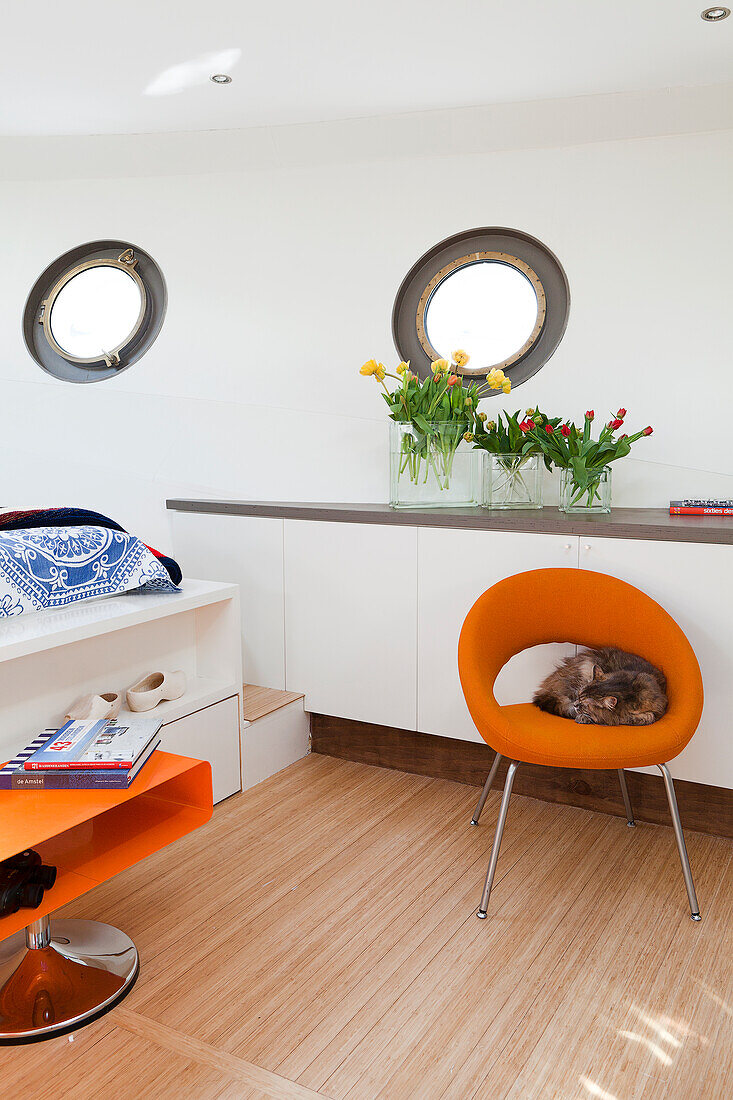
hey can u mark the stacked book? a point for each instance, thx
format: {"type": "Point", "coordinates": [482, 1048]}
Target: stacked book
{"type": "Point", "coordinates": [98, 755]}
{"type": "Point", "coordinates": [701, 507]}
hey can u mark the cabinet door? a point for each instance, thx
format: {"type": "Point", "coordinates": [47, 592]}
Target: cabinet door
{"type": "Point", "coordinates": [210, 734]}
{"type": "Point", "coordinates": [692, 581]}
{"type": "Point", "coordinates": [248, 551]}
{"type": "Point", "coordinates": [350, 619]}
{"type": "Point", "coordinates": [454, 568]}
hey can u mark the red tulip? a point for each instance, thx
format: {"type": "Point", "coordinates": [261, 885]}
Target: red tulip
{"type": "Point", "coordinates": [548, 429]}
{"type": "Point", "coordinates": [624, 436]}
{"type": "Point", "coordinates": [453, 380]}
{"type": "Point", "coordinates": [621, 414]}
{"type": "Point", "coordinates": [648, 431]}
{"type": "Point", "coordinates": [565, 430]}
{"type": "Point", "coordinates": [615, 424]}
{"type": "Point", "coordinates": [590, 414]}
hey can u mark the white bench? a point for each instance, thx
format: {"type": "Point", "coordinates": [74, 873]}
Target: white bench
{"type": "Point", "coordinates": [50, 658]}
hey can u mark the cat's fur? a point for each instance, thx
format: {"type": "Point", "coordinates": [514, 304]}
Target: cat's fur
{"type": "Point", "coordinates": [605, 687]}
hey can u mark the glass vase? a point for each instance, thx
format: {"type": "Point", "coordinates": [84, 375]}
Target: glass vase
{"type": "Point", "coordinates": [433, 468]}
{"type": "Point", "coordinates": [595, 497]}
{"type": "Point", "coordinates": [512, 481]}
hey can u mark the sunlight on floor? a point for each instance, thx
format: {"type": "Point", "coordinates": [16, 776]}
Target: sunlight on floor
{"type": "Point", "coordinates": [662, 1031]}
{"type": "Point", "coordinates": [651, 1046]}
{"type": "Point", "coordinates": [595, 1090]}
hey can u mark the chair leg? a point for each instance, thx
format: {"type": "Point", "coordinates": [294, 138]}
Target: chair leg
{"type": "Point", "coordinates": [679, 837]}
{"type": "Point", "coordinates": [485, 792]}
{"type": "Point", "coordinates": [627, 801]}
{"type": "Point", "coordinates": [513, 765]}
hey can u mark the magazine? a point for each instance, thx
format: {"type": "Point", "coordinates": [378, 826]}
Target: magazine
{"type": "Point", "coordinates": [102, 744]}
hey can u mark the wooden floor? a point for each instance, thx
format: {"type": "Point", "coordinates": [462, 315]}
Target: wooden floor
{"type": "Point", "coordinates": [318, 938]}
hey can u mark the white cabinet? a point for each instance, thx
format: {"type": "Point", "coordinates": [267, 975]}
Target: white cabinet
{"type": "Point", "coordinates": [454, 568]}
{"type": "Point", "coordinates": [350, 619]}
{"type": "Point", "coordinates": [694, 583]}
{"type": "Point", "coordinates": [248, 551]}
{"type": "Point", "coordinates": [210, 734]}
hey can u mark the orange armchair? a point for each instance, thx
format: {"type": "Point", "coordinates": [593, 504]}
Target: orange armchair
{"type": "Point", "coordinates": [590, 609]}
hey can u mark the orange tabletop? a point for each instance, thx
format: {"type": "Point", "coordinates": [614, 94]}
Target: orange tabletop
{"type": "Point", "coordinates": [93, 835]}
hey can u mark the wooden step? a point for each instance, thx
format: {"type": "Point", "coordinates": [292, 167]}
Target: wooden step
{"type": "Point", "coordinates": [259, 701]}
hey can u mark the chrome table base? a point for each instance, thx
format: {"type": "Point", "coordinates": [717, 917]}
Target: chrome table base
{"type": "Point", "coordinates": [503, 809]}
{"type": "Point", "coordinates": [56, 976]}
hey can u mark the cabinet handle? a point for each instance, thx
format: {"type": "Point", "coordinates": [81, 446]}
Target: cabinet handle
{"type": "Point", "coordinates": [587, 547]}
{"type": "Point", "coordinates": [567, 546]}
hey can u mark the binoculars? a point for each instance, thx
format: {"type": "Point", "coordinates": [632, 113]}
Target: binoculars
{"type": "Point", "coordinates": [23, 879]}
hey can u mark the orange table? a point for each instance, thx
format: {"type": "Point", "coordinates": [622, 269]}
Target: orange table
{"type": "Point", "coordinates": [57, 975]}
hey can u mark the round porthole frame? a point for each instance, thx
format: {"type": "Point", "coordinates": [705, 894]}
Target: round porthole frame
{"type": "Point", "coordinates": [39, 338]}
{"type": "Point", "coordinates": [488, 244]}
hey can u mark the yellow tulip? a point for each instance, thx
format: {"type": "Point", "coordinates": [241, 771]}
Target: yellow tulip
{"type": "Point", "coordinates": [461, 357]}
{"type": "Point", "coordinates": [369, 367]}
{"type": "Point", "coordinates": [490, 425]}
{"type": "Point", "coordinates": [507, 387]}
{"type": "Point", "coordinates": [403, 367]}
{"type": "Point", "coordinates": [380, 371]}
{"type": "Point", "coordinates": [441, 366]}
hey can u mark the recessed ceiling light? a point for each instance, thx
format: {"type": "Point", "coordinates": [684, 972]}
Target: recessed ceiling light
{"type": "Point", "coordinates": [714, 15]}
{"type": "Point", "coordinates": [221, 78]}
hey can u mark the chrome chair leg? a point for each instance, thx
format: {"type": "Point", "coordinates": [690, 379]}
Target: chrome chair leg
{"type": "Point", "coordinates": [513, 765]}
{"type": "Point", "coordinates": [485, 792]}
{"type": "Point", "coordinates": [627, 801]}
{"type": "Point", "coordinates": [679, 837]}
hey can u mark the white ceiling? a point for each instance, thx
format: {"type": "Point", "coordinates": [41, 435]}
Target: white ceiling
{"type": "Point", "coordinates": [90, 67]}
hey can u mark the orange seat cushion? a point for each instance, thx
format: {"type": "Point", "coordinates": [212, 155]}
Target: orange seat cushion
{"type": "Point", "coordinates": [530, 734]}
{"type": "Point", "coordinates": [590, 609]}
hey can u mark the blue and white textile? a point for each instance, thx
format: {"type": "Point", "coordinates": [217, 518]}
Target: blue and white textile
{"type": "Point", "coordinates": [54, 566]}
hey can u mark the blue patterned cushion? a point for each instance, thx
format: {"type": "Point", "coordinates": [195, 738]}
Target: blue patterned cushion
{"type": "Point", "coordinates": [54, 566]}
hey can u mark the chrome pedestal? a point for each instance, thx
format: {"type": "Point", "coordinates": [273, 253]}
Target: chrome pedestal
{"type": "Point", "coordinates": [58, 975]}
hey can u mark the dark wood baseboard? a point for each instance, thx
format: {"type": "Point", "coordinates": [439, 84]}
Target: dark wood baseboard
{"type": "Point", "coordinates": [704, 808]}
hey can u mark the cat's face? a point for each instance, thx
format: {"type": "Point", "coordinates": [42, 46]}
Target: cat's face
{"type": "Point", "coordinates": [594, 702]}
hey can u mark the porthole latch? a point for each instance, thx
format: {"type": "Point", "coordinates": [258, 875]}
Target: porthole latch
{"type": "Point", "coordinates": [128, 258]}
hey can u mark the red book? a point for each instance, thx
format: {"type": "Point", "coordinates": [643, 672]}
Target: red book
{"type": "Point", "coordinates": [680, 511]}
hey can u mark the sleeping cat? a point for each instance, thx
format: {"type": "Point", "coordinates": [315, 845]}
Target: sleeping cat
{"type": "Point", "coordinates": [605, 687]}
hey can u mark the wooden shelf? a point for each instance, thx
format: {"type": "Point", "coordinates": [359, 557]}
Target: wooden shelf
{"type": "Point", "coordinates": [92, 835]}
{"type": "Point", "coordinates": [620, 523]}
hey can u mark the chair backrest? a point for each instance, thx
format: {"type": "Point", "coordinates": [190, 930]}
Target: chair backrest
{"type": "Point", "coordinates": [573, 605]}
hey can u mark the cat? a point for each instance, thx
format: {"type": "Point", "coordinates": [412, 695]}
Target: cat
{"type": "Point", "coordinates": [604, 687]}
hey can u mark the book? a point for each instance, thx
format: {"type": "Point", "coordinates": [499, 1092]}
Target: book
{"type": "Point", "coordinates": [701, 503]}
{"type": "Point", "coordinates": [14, 777]}
{"type": "Point", "coordinates": [684, 510]}
{"type": "Point", "coordinates": [102, 745]}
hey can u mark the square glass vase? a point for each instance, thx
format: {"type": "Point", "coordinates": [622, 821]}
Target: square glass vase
{"type": "Point", "coordinates": [436, 468]}
{"type": "Point", "coordinates": [593, 499]}
{"type": "Point", "coordinates": [512, 481]}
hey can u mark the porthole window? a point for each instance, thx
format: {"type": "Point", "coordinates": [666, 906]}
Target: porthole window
{"type": "Point", "coordinates": [498, 293]}
{"type": "Point", "coordinates": [95, 311]}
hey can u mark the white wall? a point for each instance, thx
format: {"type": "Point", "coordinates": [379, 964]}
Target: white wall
{"type": "Point", "coordinates": [281, 282]}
